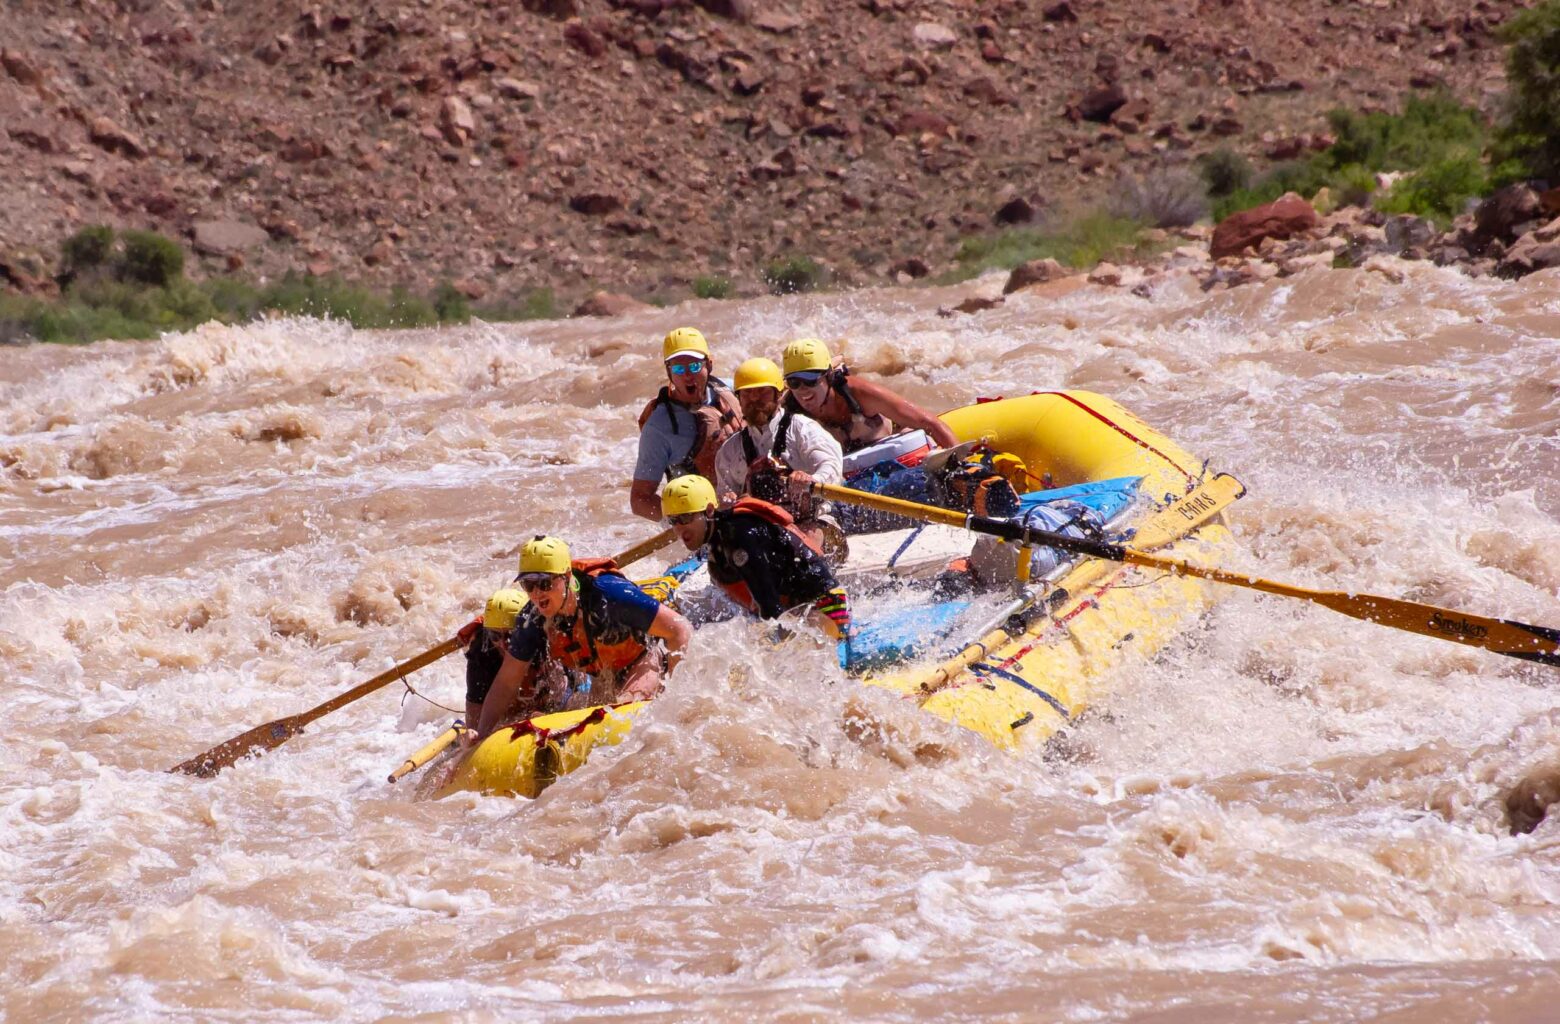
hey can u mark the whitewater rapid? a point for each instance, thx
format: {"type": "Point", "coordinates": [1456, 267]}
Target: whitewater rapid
{"type": "Point", "coordinates": [1289, 815]}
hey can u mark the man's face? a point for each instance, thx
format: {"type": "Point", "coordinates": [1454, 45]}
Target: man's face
{"type": "Point", "coordinates": [809, 388]}
{"type": "Point", "coordinates": [687, 378]}
{"type": "Point", "coordinates": [758, 405]}
{"type": "Point", "coordinates": [692, 529]}
{"type": "Point", "coordinates": [547, 591]}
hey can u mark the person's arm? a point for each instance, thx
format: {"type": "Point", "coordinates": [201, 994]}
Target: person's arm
{"type": "Point", "coordinates": [730, 470]}
{"type": "Point", "coordinates": [513, 676]}
{"type": "Point", "coordinates": [649, 467]}
{"type": "Point", "coordinates": [876, 400]}
{"type": "Point", "coordinates": [818, 455]}
{"type": "Point", "coordinates": [675, 630]}
{"type": "Point", "coordinates": [644, 501]}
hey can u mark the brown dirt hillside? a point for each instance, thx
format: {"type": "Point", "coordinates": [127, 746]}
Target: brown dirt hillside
{"type": "Point", "coordinates": [636, 144]}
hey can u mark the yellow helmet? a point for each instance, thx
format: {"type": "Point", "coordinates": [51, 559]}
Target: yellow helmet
{"type": "Point", "coordinates": [503, 608]}
{"type": "Point", "coordinates": [545, 554]}
{"type": "Point", "coordinates": [685, 341]}
{"type": "Point", "coordinates": [758, 373]}
{"type": "Point", "coordinates": [805, 354]}
{"type": "Point", "coordinates": [687, 494]}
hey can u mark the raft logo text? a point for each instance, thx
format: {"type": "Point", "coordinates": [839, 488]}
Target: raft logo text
{"type": "Point", "coordinates": [1456, 627]}
{"type": "Point", "coordinates": [1196, 505]}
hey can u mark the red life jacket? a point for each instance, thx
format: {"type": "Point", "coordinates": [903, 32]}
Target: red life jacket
{"type": "Point", "coordinates": [738, 589]}
{"type": "Point", "coordinates": [713, 422]}
{"type": "Point", "coordinates": [575, 648]}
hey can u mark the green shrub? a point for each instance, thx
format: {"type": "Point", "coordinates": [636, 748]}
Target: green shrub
{"type": "Point", "coordinates": [1168, 199]}
{"type": "Point", "coordinates": [1529, 133]}
{"type": "Point", "coordinates": [712, 287]}
{"type": "Point", "coordinates": [149, 258]}
{"type": "Point", "coordinates": [1224, 172]}
{"type": "Point", "coordinates": [538, 304]}
{"type": "Point", "coordinates": [450, 306]}
{"type": "Point", "coordinates": [1081, 240]}
{"type": "Point", "coordinates": [788, 275]}
{"type": "Point", "coordinates": [87, 250]}
{"type": "Point", "coordinates": [1438, 191]}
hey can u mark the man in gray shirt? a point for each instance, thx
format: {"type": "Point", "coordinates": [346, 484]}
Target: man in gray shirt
{"type": "Point", "coordinates": [682, 428]}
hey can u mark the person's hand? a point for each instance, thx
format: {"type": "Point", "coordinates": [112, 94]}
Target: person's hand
{"type": "Point", "coordinates": [468, 632]}
{"type": "Point", "coordinates": [468, 738]}
{"type": "Point", "coordinates": [799, 484]}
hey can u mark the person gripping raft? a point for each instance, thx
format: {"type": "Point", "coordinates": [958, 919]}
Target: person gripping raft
{"type": "Point", "coordinates": [757, 555]}
{"type": "Point", "coordinates": [682, 428]}
{"type": "Point", "coordinates": [857, 412]}
{"type": "Point", "coordinates": [588, 618]}
{"type": "Point", "coordinates": [485, 640]}
{"type": "Point", "coordinates": [778, 455]}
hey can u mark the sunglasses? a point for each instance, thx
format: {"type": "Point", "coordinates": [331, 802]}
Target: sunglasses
{"type": "Point", "coordinates": [685, 518]}
{"type": "Point", "coordinates": [530, 581]}
{"type": "Point", "coordinates": [678, 369]}
{"type": "Point", "coordinates": [804, 380]}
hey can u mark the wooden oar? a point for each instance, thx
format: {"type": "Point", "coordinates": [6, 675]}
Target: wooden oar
{"type": "Point", "coordinates": [1502, 636]}
{"type": "Point", "coordinates": [273, 734]}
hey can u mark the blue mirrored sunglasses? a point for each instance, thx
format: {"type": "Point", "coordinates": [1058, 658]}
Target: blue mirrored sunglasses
{"type": "Point", "coordinates": [678, 369]}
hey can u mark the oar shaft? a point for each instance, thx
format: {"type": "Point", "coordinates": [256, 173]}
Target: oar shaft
{"type": "Point", "coordinates": [1502, 636]}
{"type": "Point", "coordinates": [428, 753]}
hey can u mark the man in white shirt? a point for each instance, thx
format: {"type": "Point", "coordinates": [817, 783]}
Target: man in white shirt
{"type": "Point", "coordinates": [778, 454]}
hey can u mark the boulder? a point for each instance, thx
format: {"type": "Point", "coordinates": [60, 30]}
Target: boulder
{"type": "Point", "coordinates": [577, 35]}
{"type": "Point", "coordinates": [1107, 274]}
{"type": "Point", "coordinates": [1017, 210]}
{"type": "Point", "coordinates": [595, 204]}
{"type": "Point", "coordinates": [456, 120]}
{"type": "Point", "coordinates": [929, 35]}
{"type": "Point", "coordinates": [105, 133]}
{"type": "Point", "coordinates": [227, 237]}
{"type": "Point", "coordinates": [973, 304]}
{"type": "Point", "coordinates": [1033, 272]}
{"type": "Point", "coordinates": [19, 67]}
{"type": "Point", "coordinates": [922, 122]}
{"type": "Point", "coordinates": [1285, 217]}
{"type": "Point", "coordinates": [1497, 217]}
{"type": "Point", "coordinates": [911, 267]}
{"type": "Point", "coordinates": [1527, 256]}
{"type": "Point", "coordinates": [1059, 11]}
{"type": "Point", "coordinates": [777, 22]}
{"type": "Point", "coordinates": [610, 304]}
{"type": "Point", "coordinates": [1098, 104]}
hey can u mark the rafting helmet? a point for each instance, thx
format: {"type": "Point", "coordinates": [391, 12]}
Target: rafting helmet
{"type": "Point", "coordinates": [545, 554]}
{"type": "Point", "coordinates": [805, 354]}
{"type": "Point", "coordinates": [503, 608]}
{"type": "Point", "coordinates": [686, 495]}
{"type": "Point", "coordinates": [684, 341]}
{"type": "Point", "coordinates": [758, 372]}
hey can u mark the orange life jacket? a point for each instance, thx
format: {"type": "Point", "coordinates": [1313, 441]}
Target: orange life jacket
{"type": "Point", "coordinates": [738, 589]}
{"type": "Point", "coordinates": [713, 422]}
{"type": "Point", "coordinates": [574, 647]}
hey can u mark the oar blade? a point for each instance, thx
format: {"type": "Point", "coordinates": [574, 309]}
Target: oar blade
{"type": "Point", "coordinates": [1540, 644]}
{"type": "Point", "coordinates": [261, 738]}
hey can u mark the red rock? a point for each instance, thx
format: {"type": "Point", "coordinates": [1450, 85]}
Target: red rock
{"type": "Point", "coordinates": [1033, 272]}
{"type": "Point", "coordinates": [38, 135]}
{"type": "Point", "coordinates": [1549, 202]}
{"type": "Point", "coordinates": [919, 122]}
{"type": "Point", "coordinates": [456, 120]}
{"type": "Point", "coordinates": [1283, 218]}
{"type": "Point", "coordinates": [583, 39]}
{"type": "Point", "coordinates": [595, 204]}
{"type": "Point", "coordinates": [991, 53]}
{"type": "Point", "coordinates": [380, 253]}
{"type": "Point", "coordinates": [552, 8]}
{"type": "Point", "coordinates": [1098, 104]}
{"type": "Point", "coordinates": [221, 237]}
{"type": "Point", "coordinates": [1059, 11]}
{"type": "Point", "coordinates": [115, 139]}
{"type": "Point", "coordinates": [19, 67]}
{"type": "Point", "coordinates": [736, 10]}
{"type": "Point", "coordinates": [912, 267]}
{"type": "Point", "coordinates": [610, 304]}
{"type": "Point", "coordinates": [930, 35]}
{"type": "Point", "coordinates": [777, 22]}
{"type": "Point", "coordinates": [986, 91]}
{"type": "Point", "coordinates": [1156, 42]}
{"type": "Point", "coordinates": [1498, 216]}
{"type": "Point", "coordinates": [1016, 210]}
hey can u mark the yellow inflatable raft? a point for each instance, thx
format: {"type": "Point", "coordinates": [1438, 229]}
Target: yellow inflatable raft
{"type": "Point", "coordinates": [1018, 689]}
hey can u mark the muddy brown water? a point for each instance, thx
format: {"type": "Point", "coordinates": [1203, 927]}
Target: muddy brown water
{"type": "Point", "coordinates": [1289, 815]}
